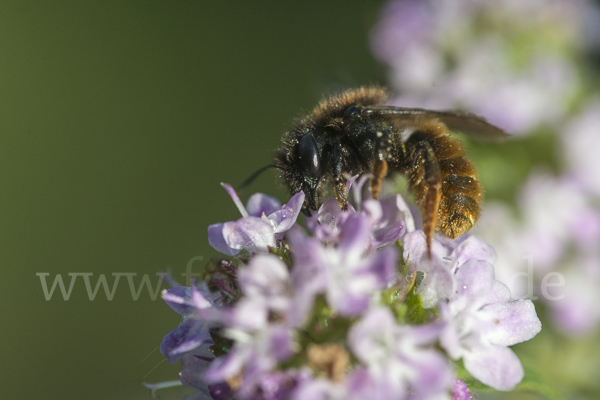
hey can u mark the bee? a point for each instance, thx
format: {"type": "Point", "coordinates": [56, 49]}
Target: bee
{"type": "Point", "coordinates": [356, 132]}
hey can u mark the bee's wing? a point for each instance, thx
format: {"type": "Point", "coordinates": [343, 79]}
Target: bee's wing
{"type": "Point", "coordinates": [460, 121]}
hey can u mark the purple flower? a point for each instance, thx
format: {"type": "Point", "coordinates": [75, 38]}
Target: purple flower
{"type": "Point", "coordinates": [192, 333]}
{"type": "Point", "coordinates": [399, 359]}
{"type": "Point", "coordinates": [445, 55]}
{"type": "Point", "coordinates": [481, 322]}
{"type": "Point", "coordinates": [347, 263]}
{"type": "Point", "coordinates": [447, 256]}
{"type": "Point", "coordinates": [256, 231]}
{"type": "Point", "coordinates": [193, 366]}
{"type": "Point", "coordinates": [347, 273]}
{"type": "Point", "coordinates": [387, 219]}
{"type": "Point", "coordinates": [260, 342]}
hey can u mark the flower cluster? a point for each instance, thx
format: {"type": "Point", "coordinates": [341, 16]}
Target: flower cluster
{"type": "Point", "coordinates": [524, 66]}
{"type": "Point", "coordinates": [352, 309]}
{"type": "Point", "coordinates": [511, 61]}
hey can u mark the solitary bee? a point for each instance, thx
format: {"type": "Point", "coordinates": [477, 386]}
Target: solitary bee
{"type": "Point", "coordinates": [356, 132]}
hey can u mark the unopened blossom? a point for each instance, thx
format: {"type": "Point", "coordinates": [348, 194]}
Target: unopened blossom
{"type": "Point", "coordinates": [262, 224]}
{"type": "Point", "coordinates": [460, 391]}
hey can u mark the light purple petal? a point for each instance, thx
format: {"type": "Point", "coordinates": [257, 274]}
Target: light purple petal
{"type": "Point", "coordinates": [387, 220]}
{"type": "Point", "coordinates": [372, 209]}
{"type": "Point", "coordinates": [415, 246]}
{"type": "Point", "coordinates": [201, 298]}
{"type": "Point", "coordinates": [259, 204]}
{"type": "Point", "coordinates": [366, 384]}
{"type": "Point", "coordinates": [308, 274]}
{"type": "Point", "coordinates": [394, 209]}
{"type": "Point", "coordinates": [355, 236]}
{"type": "Point", "coordinates": [218, 242]}
{"type": "Point", "coordinates": [449, 338]}
{"type": "Point", "coordinates": [495, 366]}
{"type": "Point", "coordinates": [324, 223]}
{"type": "Point", "coordinates": [251, 233]}
{"type": "Point", "coordinates": [185, 300]}
{"type": "Point", "coordinates": [510, 323]}
{"type": "Point", "coordinates": [388, 234]}
{"type": "Point", "coordinates": [285, 218]}
{"type": "Point", "coordinates": [187, 336]}
{"type": "Point", "coordinates": [472, 248]}
{"type": "Point", "coordinates": [438, 282]}
{"type": "Point", "coordinates": [423, 335]}
{"type": "Point", "coordinates": [193, 366]}
{"type": "Point", "coordinates": [474, 280]}
{"type": "Point", "coordinates": [347, 302]}
{"type": "Point", "coordinates": [249, 315]}
{"type": "Point", "coordinates": [433, 374]}
{"type": "Point", "coordinates": [407, 214]}
{"type": "Point", "coordinates": [499, 293]}
{"type": "Point", "coordinates": [227, 366]}
{"type": "Point", "coordinates": [308, 277]}
{"type": "Point", "coordinates": [358, 188]}
{"type": "Point", "coordinates": [372, 338]}
{"type": "Point", "coordinates": [281, 343]}
{"type": "Point", "coordinates": [176, 299]}
{"type": "Point", "coordinates": [382, 265]}
{"type": "Point", "coordinates": [265, 276]}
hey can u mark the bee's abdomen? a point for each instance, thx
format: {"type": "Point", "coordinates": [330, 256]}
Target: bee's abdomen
{"type": "Point", "coordinates": [462, 194]}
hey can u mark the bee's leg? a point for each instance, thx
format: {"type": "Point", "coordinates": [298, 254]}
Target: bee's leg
{"type": "Point", "coordinates": [425, 180]}
{"type": "Point", "coordinates": [379, 171]}
{"type": "Point", "coordinates": [338, 178]}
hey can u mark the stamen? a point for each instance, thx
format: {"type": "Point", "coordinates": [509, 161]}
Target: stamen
{"type": "Point", "coordinates": [236, 199]}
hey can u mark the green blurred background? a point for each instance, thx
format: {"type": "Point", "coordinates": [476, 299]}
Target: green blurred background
{"type": "Point", "coordinates": [118, 120]}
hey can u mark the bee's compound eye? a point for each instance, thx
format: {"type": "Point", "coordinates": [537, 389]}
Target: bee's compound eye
{"type": "Point", "coordinates": [309, 156]}
{"type": "Point", "coordinates": [352, 110]}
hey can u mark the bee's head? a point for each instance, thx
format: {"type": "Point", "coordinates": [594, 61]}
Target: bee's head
{"type": "Point", "coordinates": [302, 168]}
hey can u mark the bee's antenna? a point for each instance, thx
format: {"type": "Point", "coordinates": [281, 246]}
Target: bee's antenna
{"type": "Point", "coordinates": [255, 175]}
